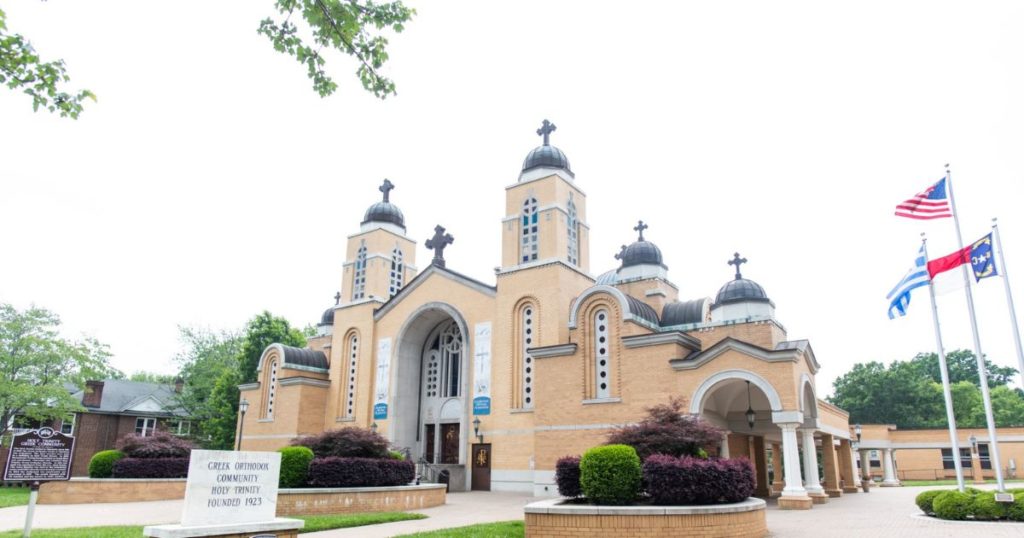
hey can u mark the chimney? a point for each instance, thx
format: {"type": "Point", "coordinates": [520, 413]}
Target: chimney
{"type": "Point", "coordinates": [179, 384]}
{"type": "Point", "coordinates": [93, 394]}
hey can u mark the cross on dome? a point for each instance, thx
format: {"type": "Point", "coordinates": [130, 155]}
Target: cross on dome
{"type": "Point", "coordinates": [737, 261]}
{"type": "Point", "coordinates": [337, 298]}
{"type": "Point", "coordinates": [386, 188]}
{"type": "Point", "coordinates": [640, 227]}
{"type": "Point", "coordinates": [545, 130]}
{"type": "Point", "coordinates": [438, 243]}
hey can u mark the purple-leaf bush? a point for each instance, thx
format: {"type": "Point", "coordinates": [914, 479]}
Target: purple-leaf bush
{"type": "Point", "coordinates": [670, 480]}
{"type": "Point", "coordinates": [151, 468]}
{"type": "Point", "coordinates": [338, 472]}
{"type": "Point", "coordinates": [158, 445]}
{"type": "Point", "coordinates": [567, 476]}
{"type": "Point", "coordinates": [346, 443]}
{"type": "Point", "coordinates": [667, 429]}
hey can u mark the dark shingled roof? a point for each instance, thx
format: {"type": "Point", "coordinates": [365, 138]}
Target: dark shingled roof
{"type": "Point", "coordinates": [641, 309]}
{"type": "Point", "coordinates": [328, 317]}
{"type": "Point", "coordinates": [120, 395]}
{"type": "Point", "coordinates": [546, 157]}
{"type": "Point", "coordinates": [741, 290]}
{"type": "Point", "coordinates": [685, 312]}
{"type": "Point", "coordinates": [641, 253]}
{"type": "Point", "coordinates": [304, 357]}
{"type": "Point", "coordinates": [385, 212]}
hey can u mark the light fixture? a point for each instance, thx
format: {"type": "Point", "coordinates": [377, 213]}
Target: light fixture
{"type": "Point", "coordinates": [857, 430]}
{"type": "Point", "coordinates": [750, 410]}
{"type": "Point", "coordinates": [373, 427]}
{"type": "Point", "coordinates": [974, 443]}
{"type": "Point", "coordinates": [476, 430]}
{"type": "Point", "coordinates": [243, 406]}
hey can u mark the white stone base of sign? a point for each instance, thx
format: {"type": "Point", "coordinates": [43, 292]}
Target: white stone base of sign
{"type": "Point", "coordinates": [177, 531]}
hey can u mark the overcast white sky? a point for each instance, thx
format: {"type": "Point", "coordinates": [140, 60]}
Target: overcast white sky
{"type": "Point", "coordinates": [210, 182]}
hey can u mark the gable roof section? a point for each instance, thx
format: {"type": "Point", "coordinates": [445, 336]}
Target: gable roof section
{"type": "Point", "coordinates": [122, 396]}
{"type": "Point", "coordinates": [296, 358]}
{"type": "Point", "coordinates": [792, 352]}
{"type": "Point", "coordinates": [459, 278]}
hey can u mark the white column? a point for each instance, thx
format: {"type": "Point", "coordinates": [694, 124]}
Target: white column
{"type": "Point", "coordinates": [865, 466]}
{"type": "Point", "coordinates": [889, 469]}
{"type": "Point", "coordinates": [853, 467]}
{"type": "Point", "coordinates": [811, 483]}
{"type": "Point", "coordinates": [791, 462]}
{"type": "Point", "coordinates": [724, 453]}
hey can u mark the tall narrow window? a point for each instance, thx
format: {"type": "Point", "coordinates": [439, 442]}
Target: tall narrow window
{"type": "Point", "coordinates": [271, 389]}
{"type": "Point", "coordinates": [602, 357]}
{"type": "Point", "coordinates": [353, 356]}
{"type": "Point", "coordinates": [359, 279]}
{"type": "Point", "coordinates": [528, 242]}
{"type": "Point", "coordinates": [528, 330]}
{"type": "Point", "coordinates": [397, 272]}
{"type": "Point", "coordinates": [574, 234]}
{"type": "Point", "coordinates": [451, 354]}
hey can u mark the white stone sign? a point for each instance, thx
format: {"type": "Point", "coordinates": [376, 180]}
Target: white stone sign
{"type": "Point", "coordinates": [227, 487]}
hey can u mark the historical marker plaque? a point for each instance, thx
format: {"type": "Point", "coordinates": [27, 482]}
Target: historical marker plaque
{"type": "Point", "coordinates": [40, 455]}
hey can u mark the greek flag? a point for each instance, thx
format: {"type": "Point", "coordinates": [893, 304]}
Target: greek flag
{"type": "Point", "coordinates": [916, 277]}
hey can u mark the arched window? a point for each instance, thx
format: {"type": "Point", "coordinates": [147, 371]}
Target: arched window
{"type": "Point", "coordinates": [271, 388]}
{"type": "Point", "coordinates": [350, 374]}
{"type": "Point", "coordinates": [602, 355]}
{"type": "Point", "coordinates": [528, 243]}
{"type": "Point", "coordinates": [443, 362]}
{"type": "Point", "coordinates": [527, 370]}
{"type": "Point", "coordinates": [574, 233]}
{"type": "Point", "coordinates": [397, 272]}
{"type": "Point", "coordinates": [359, 278]}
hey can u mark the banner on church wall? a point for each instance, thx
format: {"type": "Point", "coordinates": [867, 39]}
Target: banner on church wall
{"type": "Point", "coordinates": [380, 403]}
{"type": "Point", "coordinates": [482, 369]}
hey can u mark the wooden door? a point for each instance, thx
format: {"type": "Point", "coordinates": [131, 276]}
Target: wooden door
{"type": "Point", "coordinates": [449, 443]}
{"type": "Point", "coordinates": [481, 467]}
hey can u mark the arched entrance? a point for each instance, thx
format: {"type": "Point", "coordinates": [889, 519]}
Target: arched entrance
{"type": "Point", "coordinates": [431, 396]}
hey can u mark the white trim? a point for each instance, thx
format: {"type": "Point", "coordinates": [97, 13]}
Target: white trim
{"type": "Point", "coordinates": [627, 315]}
{"type": "Point", "coordinates": [804, 381]}
{"type": "Point", "coordinates": [767, 355]}
{"type": "Point", "coordinates": [609, 400]}
{"type": "Point", "coordinates": [499, 271]}
{"type": "Point", "coordinates": [386, 226]}
{"type": "Point", "coordinates": [674, 337]}
{"type": "Point", "coordinates": [837, 433]}
{"type": "Point", "coordinates": [545, 172]}
{"type": "Point", "coordinates": [313, 369]}
{"type": "Point", "coordinates": [423, 277]}
{"type": "Point", "coordinates": [697, 402]}
{"type": "Point", "coordinates": [249, 386]}
{"type": "Point", "coordinates": [288, 381]}
{"type": "Point", "coordinates": [560, 350]}
{"type": "Point", "coordinates": [788, 417]}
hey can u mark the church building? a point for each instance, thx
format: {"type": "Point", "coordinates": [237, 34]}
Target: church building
{"type": "Point", "coordinates": [494, 381]}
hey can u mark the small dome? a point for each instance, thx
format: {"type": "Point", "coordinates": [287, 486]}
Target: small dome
{"type": "Point", "coordinates": [741, 290]}
{"type": "Point", "coordinates": [641, 253]}
{"type": "Point", "coordinates": [385, 212]}
{"type": "Point", "coordinates": [546, 157]}
{"type": "Point", "coordinates": [328, 317]}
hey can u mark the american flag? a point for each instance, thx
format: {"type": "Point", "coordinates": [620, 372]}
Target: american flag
{"type": "Point", "coordinates": [933, 203]}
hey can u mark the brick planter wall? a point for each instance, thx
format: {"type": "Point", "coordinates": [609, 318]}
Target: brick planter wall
{"type": "Point", "coordinates": [553, 519]}
{"type": "Point", "coordinates": [310, 501]}
{"type": "Point", "coordinates": [111, 490]}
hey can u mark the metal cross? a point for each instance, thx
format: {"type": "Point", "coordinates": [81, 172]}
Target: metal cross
{"type": "Point", "coordinates": [437, 243]}
{"type": "Point", "coordinates": [545, 130]}
{"type": "Point", "coordinates": [640, 227]}
{"type": "Point", "coordinates": [386, 188]}
{"type": "Point", "coordinates": [736, 260]}
{"type": "Point", "coordinates": [337, 298]}
{"type": "Point", "coordinates": [622, 253]}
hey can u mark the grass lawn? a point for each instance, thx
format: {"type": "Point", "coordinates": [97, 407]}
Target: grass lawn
{"type": "Point", "coordinates": [501, 529]}
{"type": "Point", "coordinates": [313, 524]}
{"type": "Point", "coordinates": [13, 497]}
{"type": "Point", "coordinates": [967, 482]}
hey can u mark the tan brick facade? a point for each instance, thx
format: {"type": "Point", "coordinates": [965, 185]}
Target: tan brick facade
{"type": "Point", "coordinates": [298, 502]}
{"type": "Point", "coordinates": [743, 524]}
{"type": "Point", "coordinates": [111, 490]}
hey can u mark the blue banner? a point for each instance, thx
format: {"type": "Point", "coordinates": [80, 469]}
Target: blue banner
{"type": "Point", "coordinates": [981, 258]}
{"type": "Point", "coordinates": [380, 411]}
{"type": "Point", "coordinates": [481, 405]}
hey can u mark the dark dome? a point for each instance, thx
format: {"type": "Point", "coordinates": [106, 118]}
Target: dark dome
{"type": "Point", "coordinates": [328, 317]}
{"type": "Point", "coordinates": [385, 212]}
{"type": "Point", "coordinates": [546, 157]}
{"type": "Point", "coordinates": [682, 313]}
{"type": "Point", "coordinates": [641, 253]}
{"type": "Point", "coordinates": [741, 290]}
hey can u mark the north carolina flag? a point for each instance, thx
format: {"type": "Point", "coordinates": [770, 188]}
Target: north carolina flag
{"type": "Point", "coordinates": [979, 255]}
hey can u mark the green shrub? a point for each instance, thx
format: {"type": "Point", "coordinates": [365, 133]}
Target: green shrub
{"type": "Point", "coordinates": [294, 466]}
{"type": "Point", "coordinates": [610, 474]}
{"type": "Point", "coordinates": [925, 499]}
{"type": "Point", "coordinates": [396, 455]}
{"type": "Point", "coordinates": [102, 463]}
{"type": "Point", "coordinates": [985, 508]}
{"type": "Point", "coordinates": [953, 505]}
{"type": "Point", "coordinates": [1015, 511]}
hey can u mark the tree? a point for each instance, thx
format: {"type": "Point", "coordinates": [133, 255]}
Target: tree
{"type": "Point", "coordinates": [22, 69]}
{"type": "Point", "coordinates": [667, 429]}
{"type": "Point", "coordinates": [36, 364]}
{"type": "Point", "coordinates": [343, 25]}
{"type": "Point", "coordinates": [962, 366]}
{"type": "Point", "coordinates": [209, 369]}
{"type": "Point", "coordinates": [152, 377]}
{"type": "Point", "coordinates": [263, 330]}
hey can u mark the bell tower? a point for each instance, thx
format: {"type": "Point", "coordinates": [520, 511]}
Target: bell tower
{"type": "Point", "coordinates": [381, 258]}
{"type": "Point", "coordinates": [545, 212]}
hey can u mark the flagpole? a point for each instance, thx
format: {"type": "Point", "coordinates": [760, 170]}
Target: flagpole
{"type": "Point", "coordinates": [982, 373]}
{"type": "Point", "coordinates": [1009, 299]}
{"type": "Point", "coordinates": [944, 372]}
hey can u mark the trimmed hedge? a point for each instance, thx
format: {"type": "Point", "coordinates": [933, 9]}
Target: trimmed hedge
{"type": "Point", "coordinates": [610, 474]}
{"type": "Point", "coordinates": [688, 480]}
{"type": "Point", "coordinates": [1015, 512]}
{"type": "Point", "coordinates": [346, 443]}
{"type": "Point", "coordinates": [294, 466]}
{"type": "Point", "coordinates": [151, 468]}
{"type": "Point", "coordinates": [985, 508]}
{"type": "Point", "coordinates": [158, 445]}
{"type": "Point", "coordinates": [567, 476]}
{"type": "Point", "coordinates": [101, 465]}
{"type": "Point", "coordinates": [974, 504]}
{"type": "Point", "coordinates": [335, 472]}
{"type": "Point", "coordinates": [925, 499]}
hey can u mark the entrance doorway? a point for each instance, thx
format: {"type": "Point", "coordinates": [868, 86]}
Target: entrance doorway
{"type": "Point", "coordinates": [481, 467]}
